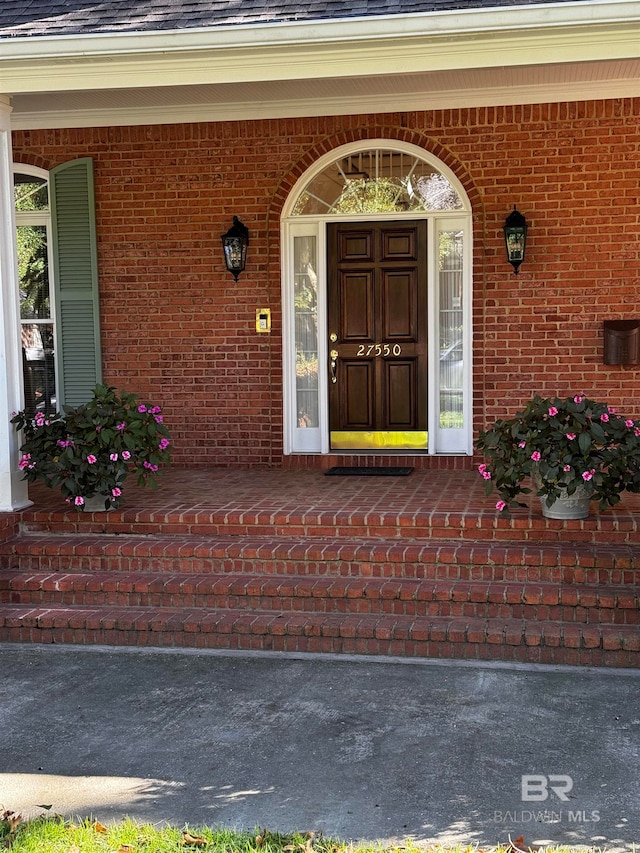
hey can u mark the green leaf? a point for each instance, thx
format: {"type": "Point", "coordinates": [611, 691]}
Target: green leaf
{"type": "Point", "coordinates": [584, 442]}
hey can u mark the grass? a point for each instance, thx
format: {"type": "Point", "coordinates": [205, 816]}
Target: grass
{"type": "Point", "coordinates": [54, 834]}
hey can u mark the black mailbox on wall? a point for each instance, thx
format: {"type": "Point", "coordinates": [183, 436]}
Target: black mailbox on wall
{"type": "Point", "coordinates": [622, 341]}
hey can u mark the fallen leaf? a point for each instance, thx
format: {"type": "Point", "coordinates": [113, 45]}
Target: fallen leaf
{"type": "Point", "coordinates": [193, 840]}
{"type": "Point", "coordinates": [99, 827]}
{"type": "Point", "coordinates": [13, 819]}
{"type": "Point", "coordinates": [125, 848]}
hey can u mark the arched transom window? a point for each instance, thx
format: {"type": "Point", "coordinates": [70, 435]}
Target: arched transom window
{"type": "Point", "coordinates": [377, 181]}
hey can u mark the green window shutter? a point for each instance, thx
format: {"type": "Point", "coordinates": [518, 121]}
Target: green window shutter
{"type": "Point", "coordinates": [75, 261]}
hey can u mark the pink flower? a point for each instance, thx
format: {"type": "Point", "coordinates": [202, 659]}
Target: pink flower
{"type": "Point", "coordinates": [91, 459]}
{"type": "Point", "coordinates": [164, 443]}
{"type": "Point", "coordinates": [116, 492]}
{"type": "Point", "coordinates": [113, 457]}
{"type": "Point", "coordinates": [588, 475]}
{"type": "Point", "coordinates": [142, 408]}
{"type": "Point", "coordinates": [79, 501]}
{"type": "Point", "coordinates": [25, 462]}
{"type": "Point", "coordinates": [155, 410]}
{"type": "Point", "coordinates": [482, 468]}
{"type": "Point", "coordinates": [612, 410]}
{"type": "Point", "coordinates": [536, 456]}
{"type": "Point", "coordinates": [636, 431]}
{"type": "Point", "coordinates": [629, 423]}
{"type": "Point", "coordinates": [571, 436]}
{"type": "Point", "coordinates": [126, 455]}
{"type": "Point", "coordinates": [500, 505]}
{"type": "Point", "coordinates": [121, 426]}
{"type": "Point", "coordinates": [486, 475]}
{"type": "Point", "coordinates": [522, 444]}
{"type": "Point", "coordinates": [154, 468]}
{"type": "Point", "coordinates": [578, 398]}
{"type": "Point", "coordinates": [158, 419]}
{"type": "Point", "coordinates": [552, 411]}
{"type": "Point", "coordinates": [604, 418]}
{"type": "Point", "coordinates": [567, 468]}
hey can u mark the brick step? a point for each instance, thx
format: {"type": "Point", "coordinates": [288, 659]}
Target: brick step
{"type": "Point", "coordinates": [620, 527]}
{"type": "Point", "coordinates": [398, 596]}
{"type": "Point", "coordinates": [441, 637]}
{"type": "Point", "coordinates": [566, 562]}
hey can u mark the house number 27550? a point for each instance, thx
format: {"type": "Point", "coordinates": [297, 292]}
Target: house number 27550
{"type": "Point", "coordinates": [379, 349]}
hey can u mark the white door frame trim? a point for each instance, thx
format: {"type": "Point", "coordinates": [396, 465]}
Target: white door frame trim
{"type": "Point", "coordinates": [316, 440]}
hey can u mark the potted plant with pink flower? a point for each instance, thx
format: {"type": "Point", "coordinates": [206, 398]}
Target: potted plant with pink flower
{"type": "Point", "coordinates": [572, 451]}
{"type": "Point", "coordinates": [89, 451]}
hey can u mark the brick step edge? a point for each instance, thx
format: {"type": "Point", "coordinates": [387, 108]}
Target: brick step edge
{"type": "Point", "coordinates": [572, 563]}
{"type": "Point", "coordinates": [486, 526]}
{"type": "Point", "coordinates": [481, 639]}
{"type": "Point", "coordinates": [615, 604]}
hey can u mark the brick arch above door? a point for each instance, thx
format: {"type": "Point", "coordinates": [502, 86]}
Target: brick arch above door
{"type": "Point", "coordinates": [392, 133]}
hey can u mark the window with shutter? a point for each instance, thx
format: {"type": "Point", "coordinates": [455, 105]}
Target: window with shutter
{"type": "Point", "coordinates": [75, 265]}
{"type": "Point", "coordinates": [57, 264]}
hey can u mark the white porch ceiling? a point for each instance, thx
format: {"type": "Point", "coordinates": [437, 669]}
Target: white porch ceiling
{"type": "Point", "coordinates": [290, 98]}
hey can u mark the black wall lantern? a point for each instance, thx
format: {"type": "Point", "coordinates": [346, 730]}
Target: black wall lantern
{"type": "Point", "coordinates": [515, 238]}
{"type": "Point", "coordinates": [235, 243]}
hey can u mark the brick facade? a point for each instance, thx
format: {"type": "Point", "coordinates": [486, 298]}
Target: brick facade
{"type": "Point", "coordinates": [178, 330]}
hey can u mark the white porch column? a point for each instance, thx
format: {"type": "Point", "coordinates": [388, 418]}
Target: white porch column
{"type": "Point", "coordinates": [13, 491]}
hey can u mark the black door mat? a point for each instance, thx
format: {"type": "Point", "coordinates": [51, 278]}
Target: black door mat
{"type": "Point", "coordinates": [369, 471]}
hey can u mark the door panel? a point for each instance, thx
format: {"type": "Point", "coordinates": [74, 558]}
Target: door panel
{"type": "Point", "coordinates": [377, 309]}
{"type": "Point", "coordinates": [399, 302]}
{"type": "Point", "coordinates": [357, 305]}
{"type": "Point", "coordinates": [355, 393]}
{"type": "Point", "coordinates": [401, 395]}
{"type": "Point", "coordinates": [399, 242]}
{"type": "Point", "coordinates": [356, 245]}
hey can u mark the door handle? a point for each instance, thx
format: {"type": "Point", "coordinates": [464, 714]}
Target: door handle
{"type": "Point", "coordinates": [334, 361]}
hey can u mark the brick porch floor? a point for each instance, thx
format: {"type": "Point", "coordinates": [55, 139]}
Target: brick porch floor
{"type": "Point", "coordinates": [453, 503]}
{"type": "Point", "coordinates": [296, 560]}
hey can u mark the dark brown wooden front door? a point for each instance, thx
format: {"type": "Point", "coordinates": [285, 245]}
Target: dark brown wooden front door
{"type": "Point", "coordinates": [377, 315]}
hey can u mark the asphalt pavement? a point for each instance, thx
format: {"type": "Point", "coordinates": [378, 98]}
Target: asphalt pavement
{"type": "Point", "coordinates": [355, 747]}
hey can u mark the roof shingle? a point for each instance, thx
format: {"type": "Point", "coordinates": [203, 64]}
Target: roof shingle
{"type": "Point", "coordinates": [39, 18]}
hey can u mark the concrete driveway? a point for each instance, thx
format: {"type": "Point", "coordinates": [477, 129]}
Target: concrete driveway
{"type": "Point", "coordinates": [360, 748]}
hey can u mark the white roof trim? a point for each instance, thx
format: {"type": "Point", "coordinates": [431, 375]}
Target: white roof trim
{"type": "Point", "coordinates": [147, 70]}
{"type": "Point", "coordinates": [512, 18]}
{"type": "Point", "coordinates": [524, 35]}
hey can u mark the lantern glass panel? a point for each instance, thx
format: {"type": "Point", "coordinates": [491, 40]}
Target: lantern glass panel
{"type": "Point", "coordinates": [515, 238]}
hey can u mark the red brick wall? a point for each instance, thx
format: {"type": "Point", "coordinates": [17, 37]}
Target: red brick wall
{"type": "Point", "coordinates": [179, 331]}
{"type": "Point", "coordinates": [8, 525]}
